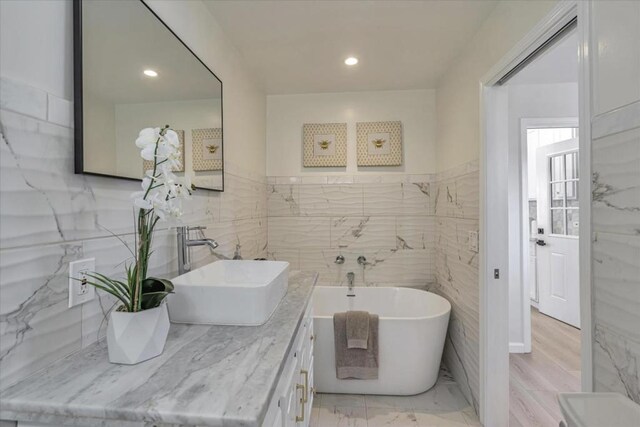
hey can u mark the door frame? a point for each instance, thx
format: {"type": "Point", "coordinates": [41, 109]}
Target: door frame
{"type": "Point", "coordinates": [494, 334]}
{"type": "Point", "coordinates": [522, 241]}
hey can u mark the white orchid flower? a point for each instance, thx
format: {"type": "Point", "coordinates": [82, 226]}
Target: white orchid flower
{"type": "Point", "coordinates": [183, 189]}
{"type": "Point", "coordinates": [162, 193]}
{"type": "Point", "coordinates": [173, 159]}
{"type": "Point", "coordinates": [149, 152]}
{"type": "Point", "coordinates": [172, 138]}
{"type": "Point", "coordinates": [147, 137]}
{"type": "Point", "coordinates": [147, 182]}
{"type": "Point", "coordinates": [139, 200]}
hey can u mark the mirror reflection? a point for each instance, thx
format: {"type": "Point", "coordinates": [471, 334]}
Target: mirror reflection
{"type": "Point", "coordinates": [136, 74]}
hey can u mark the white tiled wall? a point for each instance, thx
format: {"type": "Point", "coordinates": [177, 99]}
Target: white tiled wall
{"type": "Point", "coordinates": [456, 194]}
{"type": "Point", "coordinates": [615, 204]}
{"type": "Point", "coordinates": [413, 229]}
{"type": "Point", "coordinates": [51, 217]}
{"type": "Point", "coordinates": [387, 218]}
{"type": "Point", "coordinates": [616, 255]}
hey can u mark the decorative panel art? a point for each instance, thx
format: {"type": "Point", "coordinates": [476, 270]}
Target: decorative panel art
{"type": "Point", "coordinates": [324, 144]}
{"type": "Point", "coordinates": [379, 143]}
{"type": "Point", "coordinates": [148, 164]}
{"type": "Point", "coordinates": [207, 149]}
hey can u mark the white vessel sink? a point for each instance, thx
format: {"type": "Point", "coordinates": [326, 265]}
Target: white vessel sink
{"type": "Point", "coordinates": [229, 293]}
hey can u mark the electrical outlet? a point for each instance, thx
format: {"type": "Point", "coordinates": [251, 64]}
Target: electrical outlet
{"type": "Point", "coordinates": [79, 291]}
{"type": "Point", "coordinates": [473, 241]}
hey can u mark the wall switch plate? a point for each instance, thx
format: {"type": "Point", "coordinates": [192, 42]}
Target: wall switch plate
{"type": "Point", "coordinates": [473, 241]}
{"type": "Point", "coordinates": [79, 291]}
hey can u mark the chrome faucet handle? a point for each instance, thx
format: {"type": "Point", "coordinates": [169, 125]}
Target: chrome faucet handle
{"type": "Point", "coordinates": [339, 260]}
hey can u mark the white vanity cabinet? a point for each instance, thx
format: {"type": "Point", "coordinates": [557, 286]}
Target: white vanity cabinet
{"type": "Point", "coordinates": [293, 398]}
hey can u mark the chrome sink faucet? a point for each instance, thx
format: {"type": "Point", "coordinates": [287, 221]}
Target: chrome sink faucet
{"type": "Point", "coordinates": [185, 242]}
{"type": "Point", "coordinates": [351, 291]}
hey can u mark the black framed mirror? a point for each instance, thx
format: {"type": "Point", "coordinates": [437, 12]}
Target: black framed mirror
{"type": "Point", "coordinates": [131, 71]}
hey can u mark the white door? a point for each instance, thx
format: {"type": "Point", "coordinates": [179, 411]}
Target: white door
{"type": "Point", "coordinates": [558, 225]}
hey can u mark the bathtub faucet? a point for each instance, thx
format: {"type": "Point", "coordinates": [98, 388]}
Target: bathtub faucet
{"type": "Point", "coordinates": [351, 292]}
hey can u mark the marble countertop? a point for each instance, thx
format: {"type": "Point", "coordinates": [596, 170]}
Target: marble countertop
{"type": "Point", "coordinates": [207, 376]}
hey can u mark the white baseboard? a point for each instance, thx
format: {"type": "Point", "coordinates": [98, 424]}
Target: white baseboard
{"type": "Point", "coordinates": [516, 347]}
{"type": "Point", "coordinates": [534, 303]}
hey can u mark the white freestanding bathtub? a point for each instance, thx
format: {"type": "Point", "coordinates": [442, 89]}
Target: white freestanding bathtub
{"type": "Point", "coordinates": [412, 330]}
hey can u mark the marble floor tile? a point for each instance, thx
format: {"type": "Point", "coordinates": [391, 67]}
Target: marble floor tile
{"type": "Point", "coordinates": [442, 397]}
{"type": "Point", "coordinates": [440, 419]}
{"type": "Point", "coordinates": [342, 417]}
{"type": "Point", "coordinates": [442, 406]}
{"type": "Point", "coordinates": [471, 417]}
{"type": "Point", "coordinates": [315, 415]}
{"type": "Point", "coordinates": [342, 400]}
{"type": "Point", "coordinates": [380, 417]}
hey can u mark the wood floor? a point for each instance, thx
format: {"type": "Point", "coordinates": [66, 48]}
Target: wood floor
{"type": "Point", "coordinates": [535, 378]}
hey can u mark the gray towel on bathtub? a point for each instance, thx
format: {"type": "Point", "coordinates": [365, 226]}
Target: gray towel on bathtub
{"type": "Point", "coordinates": [356, 363]}
{"type": "Point", "coordinates": [357, 329]}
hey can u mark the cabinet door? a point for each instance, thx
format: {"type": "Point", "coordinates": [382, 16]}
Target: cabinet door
{"type": "Point", "coordinates": [289, 404]}
{"type": "Point", "coordinates": [311, 389]}
{"type": "Point", "coordinates": [277, 421]}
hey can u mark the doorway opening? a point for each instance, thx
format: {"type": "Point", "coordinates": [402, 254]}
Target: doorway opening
{"type": "Point", "coordinates": [544, 223]}
{"type": "Point", "coordinates": [531, 264]}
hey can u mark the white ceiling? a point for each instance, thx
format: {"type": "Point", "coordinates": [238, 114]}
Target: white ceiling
{"type": "Point", "coordinates": [559, 64]}
{"type": "Point", "coordinates": [123, 38]}
{"type": "Point", "coordinates": [300, 46]}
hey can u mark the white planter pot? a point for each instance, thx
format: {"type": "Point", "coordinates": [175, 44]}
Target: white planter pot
{"type": "Point", "coordinates": [135, 337]}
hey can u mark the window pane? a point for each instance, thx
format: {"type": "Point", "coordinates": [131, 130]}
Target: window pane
{"type": "Point", "coordinates": [572, 165]}
{"type": "Point", "coordinates": [557, 168]}
{"type": "Point", "coordinates": [557, 195]}
{"type": "Point", "coordinates": [557, 221]}
{"type": "Point", "coordinates": [573, 222]}
{"type": "Point", "coordinates": [572, 194]}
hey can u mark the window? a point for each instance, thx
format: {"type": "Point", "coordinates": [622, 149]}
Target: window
{"type": "Point", "coordinates": [565, 214]}
{"type": "Point", "coordinates": [539, 137]}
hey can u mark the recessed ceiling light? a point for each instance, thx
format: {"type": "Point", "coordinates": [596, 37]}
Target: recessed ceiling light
{"type": "Point", "coordinates": [352, 60]}
{"type": "Point", "coordinates": [150, 73]}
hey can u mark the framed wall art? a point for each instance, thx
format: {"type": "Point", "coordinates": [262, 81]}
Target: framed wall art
{"type": "Point", "coordinates": [206, 148]}
{"type": "Point", "coordinates": [324, 144]}
{"type": "Point", "coordinates": [379, 143]}
{"type": "Point", "coordinates": [148, 164]}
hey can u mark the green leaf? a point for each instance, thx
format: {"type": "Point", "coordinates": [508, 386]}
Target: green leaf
{"type": "Point", "coordinates": [153, 299]}
{"type": "Point", "coordinates": [154, 284]}
{"type": "Point", "coordinates": [115, 288]}
{"type": "Point", "coordinates": [112, 292]}
{"type": "Point", "coordinates": [115, 283]}
{"type": "Point", "coordinates": [154, 291]}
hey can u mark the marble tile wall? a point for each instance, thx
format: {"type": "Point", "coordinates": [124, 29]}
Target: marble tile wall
{"type": "Point", "coordinates": [615, 218]}
{"type": "Point", "coordinates": [51, 216]}
{"type": "Point", "coordinates": [456, 209]}
{"type": "Point", "coordinates": [413, 229]}
{"type": "Point", "coordinates": [387, 218]}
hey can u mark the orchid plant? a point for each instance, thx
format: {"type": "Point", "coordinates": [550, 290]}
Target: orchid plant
{"type": "Point", "coordinates": [160, 200]}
